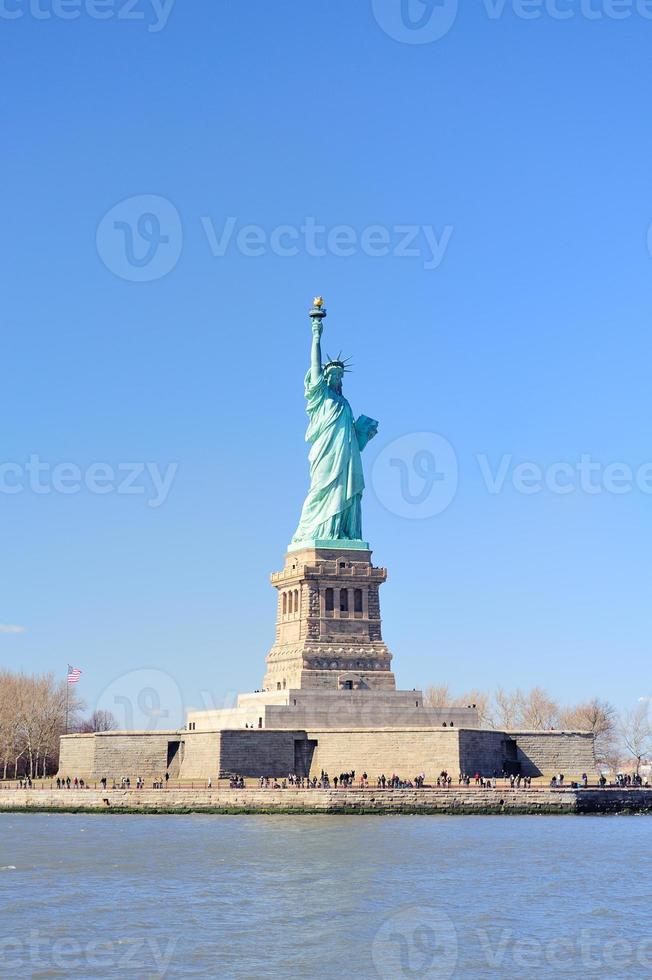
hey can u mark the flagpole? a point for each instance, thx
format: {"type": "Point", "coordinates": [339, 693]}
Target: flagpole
{"type": "Point", "coordinates": [67, 695]}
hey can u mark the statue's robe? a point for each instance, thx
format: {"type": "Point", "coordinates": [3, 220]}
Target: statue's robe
{"type": "Point", "coordinates": [332, 508]}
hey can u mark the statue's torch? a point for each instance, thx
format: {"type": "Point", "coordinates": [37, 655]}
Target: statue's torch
{"type": "Point", "coordinates": [318, 311]}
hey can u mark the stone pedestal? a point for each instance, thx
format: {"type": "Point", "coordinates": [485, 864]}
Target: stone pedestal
{"type": "Point", "coordinates": [328, 625]}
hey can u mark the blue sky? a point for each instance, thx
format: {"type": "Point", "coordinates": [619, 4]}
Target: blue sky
{"type": "Point", "coordinates": [520, 148]}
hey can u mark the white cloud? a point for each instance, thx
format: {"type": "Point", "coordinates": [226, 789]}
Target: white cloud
{"type": "Point", "coordinates": [4, 628]}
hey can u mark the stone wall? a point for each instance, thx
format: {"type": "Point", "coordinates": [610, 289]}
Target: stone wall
{"type": "Point", "coordinates": [483, 752]}
{"type": "Point", "coordinates": [201, 757]}
{"type": "Point", "coordinates": [260, 752]}
{"type": "Point", "coordinates": [118, 754]}
{"type": "Point", "coordinates": [144, 754]}
{"type": "Point", "coordinates": [406, 752]}
{"type": "Point", "coordinates": [290, 710]}
{"type": "Point", "coordinates": [326, 680]}
{"type": "Point", "coordinates": [455, 800]}
{"type": "Point", "coordinates": [550, 753]}
{"type": "Point", "coordinates": [370, 710]}
{"type": "Point", "coordinates": [77, 755]}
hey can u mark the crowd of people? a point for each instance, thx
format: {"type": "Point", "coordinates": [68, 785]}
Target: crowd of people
{"type": "Point", "coordinates": [159, 782]}
{"type": "Point", "coordinates": [557, 782]}
{"type": "Point", "coordinates": [67, 783]}
{"type": "Point", "coordinates": [348, 780]}
{"type": "Point", "coordinates": [345, 780]}
{"type": "Point", "coordinates": [634, 780]}
{"type": "Point", "coordinates": [396, 782]}
{"type": "Point", "coordinates": [516, 781]}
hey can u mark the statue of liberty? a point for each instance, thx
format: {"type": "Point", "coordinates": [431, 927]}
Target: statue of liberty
{"type": "Point", "coordinates": [332, 510]}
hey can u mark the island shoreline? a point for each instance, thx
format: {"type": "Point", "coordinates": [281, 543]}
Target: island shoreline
{"type": "Point", "coordinates": [462, 801]}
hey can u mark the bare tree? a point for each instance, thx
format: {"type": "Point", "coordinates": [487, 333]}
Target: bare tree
{"type": "Point", "coordinates": [483, 704]}
{"type": "Point", "coordinates": [10, 739]}
{"type": "Point", "coordinates": [537, 710]}
{"type": "Point", "coordinates": [599, 717]}
{"type": "Point", "coordinates": [32, 719]}
{"type": "Point", "coordinates": [636, 732]}
{"type": "Point", "coordinates": [437, 697]}
{"type": "Point", "coordinates": [99, 721]}
{"type": "Point", "coordinates": [506, 709]}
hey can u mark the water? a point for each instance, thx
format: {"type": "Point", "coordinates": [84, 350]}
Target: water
{"type": "Point", "coordinates": [325, 897]}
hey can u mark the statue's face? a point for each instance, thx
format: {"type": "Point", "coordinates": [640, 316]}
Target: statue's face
{"type": "Point", "coordinates": [334, 377]}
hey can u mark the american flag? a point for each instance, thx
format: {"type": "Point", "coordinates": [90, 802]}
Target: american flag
{"type": "Point", "coordinates": [74, 673]}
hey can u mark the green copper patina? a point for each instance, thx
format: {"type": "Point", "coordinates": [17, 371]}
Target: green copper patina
{"type": "Point", "coordinates": [332, 512]}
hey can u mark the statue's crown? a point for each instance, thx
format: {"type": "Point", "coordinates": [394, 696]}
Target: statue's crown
{"type": "Point", "coordinates": [343, 365]}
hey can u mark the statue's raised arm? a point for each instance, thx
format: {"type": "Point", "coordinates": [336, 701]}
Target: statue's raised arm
{"type": "Point", "coordinates": [317, 314]}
